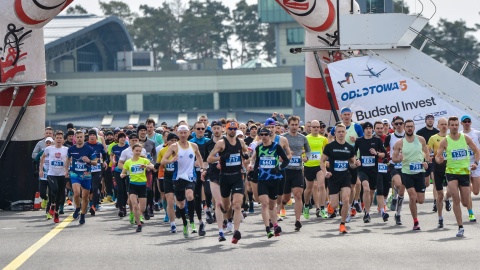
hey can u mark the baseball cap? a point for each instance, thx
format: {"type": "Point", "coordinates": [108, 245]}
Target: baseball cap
{"type": "Point", "coordinates": [183, 128]}
{"type": "Point", "coordinates": [232, 124]}
{"type": "Point", "coordinates": [466, 117]}
{"type": "Point", "coordinates": [345, 109]}
{"type": "Point", "coordinates": [172, 136]}
{"type": "Point", "coordinates": [215, 123]}
{"type": "Point", "coordinates": [49, 139]}
{"type": "Point", "coordinates": [159, 129]}
{"type": "Point", "coordinates": [109, 132]}
{"type": "Point", "coordinates": [264, 131]}
{"type": "Point", "coordinates": [133, 136]}
{"type": "Point", "coordinates": [239, 132]}
{"type": "Point", "coordinates": [385, 121]}
{"type": "Point", "coordinates": [270, 122]}
{"type": "Point", "coordinates": [429, 115]}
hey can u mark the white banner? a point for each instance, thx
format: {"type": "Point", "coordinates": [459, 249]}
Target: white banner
{"type": "Point", "coordinates": [373, 90]}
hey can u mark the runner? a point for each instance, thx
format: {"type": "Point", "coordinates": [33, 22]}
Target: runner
{"type": "Point", "coordinates": [184, 154]}
{"type": "Point", "coordinates": [150, 148]}
{"type": "Point", "coordinates": [81, 158]}
{"type": "Point", "coordinates": [384, 180]}
{"type": "Point", "coordinates": [266, 165]}
{"type": "Point", "coordinates": [340, 155]}
{"type": "Point", "coordinates": [412, 152]}
{"type": "Point", "coordinates": [231, 151]}
{"type": "Point", "coordinates": [456, 146]}
{"type": "Point", "coordinates": [151, 134]}
{"type": "Point", "coordinates": [96, 170]}
{"type": "Point", "coordinates": [42, 177]}
{"type": "Point", "coordinates": [370, 149]}
{"type": "Point", "coordinates": [136, 166]}
{"type": "Point", "coordinates": [439, 170]}
{"type": "Point", "coordinates": [115, 153]}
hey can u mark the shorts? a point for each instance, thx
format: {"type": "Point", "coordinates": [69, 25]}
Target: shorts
{"type": "Point", "coordinates": [293, 179]}
{"type": "Point", "coordinates": [252, 176]}
{"type": "Point", "coordinates": [439, 176]}
{"type": "Point", "coordinates": [213, 177]}
{"type": "Point", "coordinates": [475, 173]}
{"type": "Point", "coordinates": [161, 184]}
{"type": "Point", "coordinates": [281, 183]}
{"type": "Point", "coordinates": [384, 181]}
{"type": "Point", "coordinates": [429, 170]}
{"type": "Point", "coordinates": [416, 181]}
{"type": "Point", "coordinates": [354, 174]}
{"type": "Point", "coordinates": [370, 176]}
{"type": "Point", "coordinates": [180, 186]}
{"type": "Point", "coordinates": [311, 173]}
{"type": "Point", "coordinates": [139, 190]}
{"type": "Point", "coordinates": [463, 179]}
{"type": "Point", "coordinates": [394, 171]}
{"type": "Point", "coordinates": [268, 187]}
{"type": "Point", "coordinates": [168, 183]}
{"type": "Point", "coordinates": [84, 179]}
{"type": "Point", "coordinates": [231, 184]}
{"type": "Point", "coordinates": [336, 183]}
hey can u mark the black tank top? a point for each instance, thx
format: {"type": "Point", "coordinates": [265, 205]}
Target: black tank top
{"type": "Point", "coordinates": [233, 161]}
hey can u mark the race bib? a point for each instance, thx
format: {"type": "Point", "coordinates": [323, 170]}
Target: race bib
{"type": "Point", "coordinates": [267, 162]}
{"type": "Point", "coordinates": [233, 160]}
{"type": "Point", "coordinates": [315, 156]}
{"type": "Point", "coordinates": [56, 163]}
{"type": "Point", "coordinates": [470, 151]}
{"type": "Point", "coordinates": [295, 161]}
{"type": "Point", "coordinates": [368, 161]}
{"type": "Point", "coordinates": [340, 165]}
{"type": "Point", "coordinates": [444, 154]}
{"type": "Point", "coordinates": [80, 166]}
{"type": "Point", "coordinates": [397, 165]}
{"type": "Point", "coordinates": [170, 167]}
{"type": "Point", "coordinates": [416, 167]}
{"type": "Point", "coordinates": [136, 169]}
{"type": "Point", "coordinates": [382, 168]}
{"type": "Point", "coordinates": [97, 168]}
{"type": "Point", "coordinates": [459, 154]}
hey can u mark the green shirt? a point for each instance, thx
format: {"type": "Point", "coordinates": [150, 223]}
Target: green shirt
{"type": "Point", "coordinates": [413, 156]}
{"type": "Point", "coordinates": [458, 157]}
{"type": "Point", "coordinates": [137, 174]}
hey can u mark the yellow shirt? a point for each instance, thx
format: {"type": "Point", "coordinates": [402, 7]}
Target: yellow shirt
{"type": "Point", "coordinates": [137, 174]}
{"type": "Point", "coordinates": [434, 143]}
{"type": "Point", "coordinates": [317, 144]}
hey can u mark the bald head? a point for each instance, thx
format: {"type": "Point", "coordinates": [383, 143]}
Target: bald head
{"type": "Point", "coordinates": [315, 127]}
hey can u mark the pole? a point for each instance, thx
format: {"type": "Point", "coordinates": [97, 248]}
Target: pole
{"type": "Point", "coordinates": [325, 84]}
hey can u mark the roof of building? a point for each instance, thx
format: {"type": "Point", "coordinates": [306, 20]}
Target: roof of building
{"type": "Point", "coordinates": [257, 63]}
{"type": "Point", "coordinates": [68, 27]}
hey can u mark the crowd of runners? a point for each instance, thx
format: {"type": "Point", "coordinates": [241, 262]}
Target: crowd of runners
{"type": "Point", "coordinates": [213, 172]}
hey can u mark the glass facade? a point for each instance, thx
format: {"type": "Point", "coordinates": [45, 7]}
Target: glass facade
{"type": "Point", "coordinates": [89, 58]}
{"type": "Point", "coordinates": [169, 102]}
{"type": "Point", "coordinates": [270, 11]}
{"type": "Point", "coordinates": [246, 100]}
{"type": "Point", "coordinates": [295, 36]}
{"type": "Point", "coordinates": [71, 104]}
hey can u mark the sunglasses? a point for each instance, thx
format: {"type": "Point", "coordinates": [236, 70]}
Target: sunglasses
{"type": "Point", "coordinates": [398, 123]}
{"type": "Point", "coordinates": [466, 121]}
{"type": "Point", "coordinates": [200, 128]}
{"type": "Point", "coordinates": [232, 128]}
{"type": "Point", "coordinates": [315, 126]}
{"type": "Point", "coordinates": [264, 134]}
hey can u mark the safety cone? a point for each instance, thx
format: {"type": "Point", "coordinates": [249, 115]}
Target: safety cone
{"type": "Point", "coordinates": [37, 202]}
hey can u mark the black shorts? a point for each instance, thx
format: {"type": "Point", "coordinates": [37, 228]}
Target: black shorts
{"type": "Point", "coordinates": [311, 173]}
{"type": "Point", "coordinates": [168, 183]}
{"type": "Point", "coordinates": [370, 176]}
{"type": "Point", "coordinates": [439, 176]}
{"type": "Point", "coordinates": [281, 183]}
{"type": "Point", "coordinates": [336, 183]}
{"type": "Point", "coordinates": [384, 181]}
{"type": "Point", "coordinates": [293, 179]}
{"type": "Point", "coordinates": [416, 181]}
{"type": "Point", "coordinates": [161, 184]}
{"type": "Point", "coordinates": [354, 174]}
{"type": "Point", "coordinates": [139, 190]}
{"type": "Point", "coordinates": [394, 171]}
{"type": "Point", "coordinates": [179, 187]}
{"type": "Point", "coordinates": [463, 179]}
{"type": "Point", "coordinates": [252, 176]}
{"type": "Point", "coordinates": [230, 184]}
{"type": "Point", "coordinates": [429, 170]}
{"type": "Point", "coordinates": [268, 187]}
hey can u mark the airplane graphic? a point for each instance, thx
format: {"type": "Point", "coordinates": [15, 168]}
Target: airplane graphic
{"type": "Point", "coordinates": [372, 73]}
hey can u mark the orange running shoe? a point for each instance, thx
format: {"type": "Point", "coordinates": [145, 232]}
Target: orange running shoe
{"type": "Point", "coordinates": [330, 210]}
{"type": "Point", "coordinates": [283, 213]}
{"type": "Point", "coordinates": [353, 212]}
{"type": "Point", "coordinates": [69, 202]}
{"type": "Point", "coordinates": [343, 229]}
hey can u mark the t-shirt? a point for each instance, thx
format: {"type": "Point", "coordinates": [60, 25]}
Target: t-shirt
{"type": "Point", "coordinates": [128, 154]}
{"type": "Point", "coordinates": [150, 149]}
{"type": "Point", "coordinates": [248, 140]}
{"type": "Point", "coordinates": [427, 133]}
{"type": "Point", "coordinates": [338, 156]}
{"type": "Point", "coordinates": [156, 138]}
{"type": "Point", "coordinates": [317, 144]}
{"type": "Point", "coordinates": [78, 165]}
{"type": "Point", "coordinates": [356, 129]}
{"type": "Point", "coordinates": [56, 158]}
{"type": "Point", "coordinates": [297, 144]}
{"type": "Point", "coordinates": [475, 136]}
{"type": "Point", "coordinates": [137, 174]}
{"type": "Point", "coordinates": [99, 153]}
{"type": "Point", "coordinates": [368, 160]}
{"type": "Point", "coordinates": [434, 143]}
{"type": "Point", "coordinates": [117, 151]}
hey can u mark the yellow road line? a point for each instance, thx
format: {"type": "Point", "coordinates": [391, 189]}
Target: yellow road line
{"type": "Point", "coordinates": [22, 258]}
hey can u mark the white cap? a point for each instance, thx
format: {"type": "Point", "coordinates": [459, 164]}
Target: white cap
{"type": "Point", "coordinates": [183, 128]}
{"type": "Point", "coordinates": [239, 132]}
{"type": "Point", "coordinates": [49, 139]}
{"type": "Point", "coordinates": [385, 121]}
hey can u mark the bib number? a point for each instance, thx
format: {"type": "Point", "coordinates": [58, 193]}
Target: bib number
{"type": "Point", "coordinates": [295, 161]}
{"type": "Point", "coordinates": [233, 160]}
{"type": "Point", "coordinates": [470, 151]}
{"type": "Point", "coordinates": [170, 167]}
{"type": "Point", "coordinates": [340, 165]}
{"type": "Point", "coordinates": [459, 154]}
{"type": "Point", "coordinates": [382, 168]}
{"type": "Point", "coordinates": [97, 168]}
{"type": "Point", "coordinates": [416, 167]}
{"type": "Point", "coordinates": [368, 161]}
{"type": "Point", "coordinates": [136, 169]}
{"type": "Point", "coordinates": [80, 166]}
{"type": "Point", "coordinates": [267, 162]}
{"type": "Point", "coordinates": [315, 156]}
{"type": "Point", "coordinates": [56, 163]}
{"type": "Point", "coordinates": [397, 165]}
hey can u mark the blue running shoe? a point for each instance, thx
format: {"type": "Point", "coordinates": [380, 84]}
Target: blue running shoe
{"type": "Point", "coordinates": [75, 214]}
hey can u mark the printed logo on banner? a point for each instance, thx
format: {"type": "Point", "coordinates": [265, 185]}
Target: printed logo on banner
{"type": "Point", "coordinates": [374, 90]}
{"type": "Point", "coordinates": [11, 53]}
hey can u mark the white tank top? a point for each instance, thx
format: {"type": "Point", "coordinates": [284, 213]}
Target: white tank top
{"type": "Point", "coordinates": [475, 136]}
{"type": "Point", "coordinates": [185, 164]}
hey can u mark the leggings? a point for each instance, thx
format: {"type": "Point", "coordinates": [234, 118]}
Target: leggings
{"type": "Point", "coordinates": [43, 184]}
{"type": "Point", "coordinates": [198, 195]}
{"type": "Point", "coordinates": [95, 190]}
{"type": "Point", "coordinates": [121, 190]}
{"type": "Point", "coordinates": [108, 176]}
{"type": "Point", "coordinates": [56, 186]}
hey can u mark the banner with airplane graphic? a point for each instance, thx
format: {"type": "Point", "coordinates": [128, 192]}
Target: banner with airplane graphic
{"type": "Point", "coordinates": [374, 90]}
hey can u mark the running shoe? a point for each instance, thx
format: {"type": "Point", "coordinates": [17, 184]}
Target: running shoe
{"type": "Point", "coordinates": [349, 218]}
{"type": "Point", "coordinates": [343, 229]}
{"type": "Point", "coordinates": [323, 213]}
{"type": "Point", "coordinates": [385, 216]}
{"type": "Point", "coordinates": [185, 231]}
{"type": "Point", "coordinates": [448, 205]}
{"type": "Point", "coordinates": [132, 218]}
{"type": "Point", "coordinates": [277, 231]}
{"type": "Point", "coordinates": [49, 216]}
{"type": "Point", "coordinates": [173, 228]}
{"type": "Point", "coordinates": [317, 212]}
{"type": "Point", "coordinates": [290, 202]}
{"type": "Point", "coordinates": [51, 211]}
{"type": "Point", "coordinates": [440, 224]}
{"type": "Point", "coordinates": [460, 232]}
{"type": "Point", "coordinates": [389, 201]}
{"type": "Point", "coordinates": [366, 218]}
{"type": "Point", "coordinates": [120, 213]}
{"type": "Point", "coordinates": [398, 221]}
{"type": "Point", "coordinates": [221, 237]}
{"type": "Point", "coordinates": [358, 207]}
{"type": "Point", "coordinates": [306, 212]}
{"type": "Point", "coordinates": [75, 213]}
{"type": "Point", "coordinates": [353, 212]}
{"type": "Point", "coordinates": [236, 236]}
{"type": "Point", "coordinates": [150, 211]}
{"type": "Point", "coordinates": [69, 202]}
{"type": "Point", "coordinates": [244, 214]}
{"type": "Point", "coordinates": [139, 228]}
{"type": "Point", "coordinates": [330, 209]}
{"type": "Point", "coordinates": [192, 226]}
{"type": "Point", "coordinates": [250, 209]}
{"type": "Point", "coordinates": [472, 218]}
{"type": "Point", "coordinates": [270, 235]}
{"type": "Point", "coordinates": [283, 213]}
{"type": "Point", "coordinates": [92, 210]}
{"type": "Point", "coordinates": [201, 230]}
{"type": "Point", "coordinates": [146, 215]}
{"type": "Point", "coordinates": [334, 214]}
{"type": "Point", "coordinates": [82, 219]}
{"type": "Point", "coordinates": [56, 219]}
{"type": "Point", "coordinates": [44, 203]}
{"type": "Point", "coordinates": [434, 209]}
{"type": "Point", "coordinates": [270, 224]}
{"type": "Point", "coordinates": [209, 216]}
{"type": "Point", "coordinates": [416, 226]}
{"type": "Point", "coordinates": [229, 227]}
{"type": "Point", "coordinates": [279, 218]}
{"type": "Point", "coordinates": [60, 210]}
{"type": "Point", "coordinates": [166, 219]}
{"type": "Point", "coordinates": [393, 205]}
{"type": "Point", "coordinates": [157, 207]}
{"type": "Point", "coordinates": [298, 225]}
